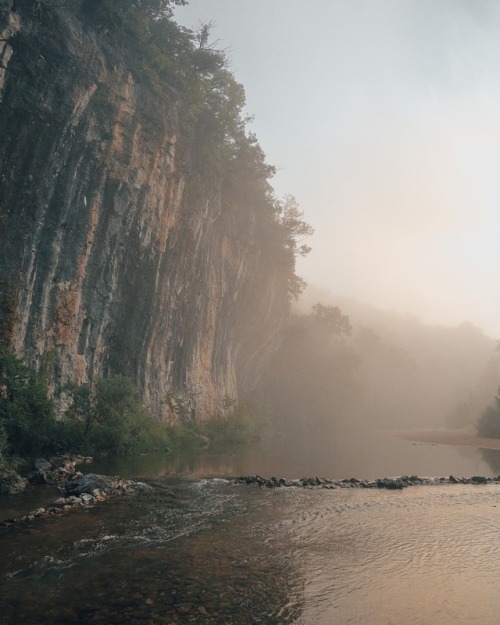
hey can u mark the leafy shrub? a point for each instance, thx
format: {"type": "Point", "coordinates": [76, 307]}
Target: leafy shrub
{"type": "Point", "coordinates": [27, 415]}
{"type": "Point", "coordinates": [236, 427]}
{"type": "Point", "coordinates": [3, 441]}
{"type": "Point", "coordinates": [109, 418]}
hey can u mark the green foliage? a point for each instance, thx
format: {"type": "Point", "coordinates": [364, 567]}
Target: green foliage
{"type": "Point", "coordinates": [179, 405]}
{"type": "Point", "coordinates": [3, 441]}
{"type": "Point", "coordinates": [489, 422]}
{"type": "Point", "coordinates": [132, 14]}
{"type": "Point", "coordinates": [109, 418]}
{"type": "Point", "coordinates": [27, 416]}
{"type": "Point", "coordinates": [293, 231]}
{"type": "Point", "coordinates": [106, 418]}
{"type": "Point", "coordinates": [185, 71]}
{"type": "Point", "coordinates": [237, 426]}
{"type": "Point", "coordinates": [9, 296]}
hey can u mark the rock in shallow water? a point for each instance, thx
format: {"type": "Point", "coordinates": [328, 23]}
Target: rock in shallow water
{"type": "Point", "coordinates": [397, 483]}
{"type": "Point", "coordinates": [104, 484]}
{"type": "Point", "coordinates": [479, 479]}
{"type": "Point", "coordinates": [88, 483]}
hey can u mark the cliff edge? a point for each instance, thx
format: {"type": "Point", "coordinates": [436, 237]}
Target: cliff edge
{"type": "Point", "coordinates": [139, 234]}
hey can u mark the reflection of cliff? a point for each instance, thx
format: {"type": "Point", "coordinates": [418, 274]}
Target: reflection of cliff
{"type": "Point", "coordinates": [119, 252]}
{"type": "Point", "coordinates": [492, 457]}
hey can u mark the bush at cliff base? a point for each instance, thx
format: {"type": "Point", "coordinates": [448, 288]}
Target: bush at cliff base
{"type": "Point", "coordinates": [27, 415]}
{"type": "Point", "coordinates": [116, 421]}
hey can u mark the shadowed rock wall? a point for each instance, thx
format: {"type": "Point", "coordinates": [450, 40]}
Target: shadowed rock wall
{"type": "Point", "coordinates": [115, 256]}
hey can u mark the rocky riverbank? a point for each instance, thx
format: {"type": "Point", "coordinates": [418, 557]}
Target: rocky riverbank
{"type": "Point", "coordinates": [76, 489]}
{"type": "Point", "coordinates": [54, 472]}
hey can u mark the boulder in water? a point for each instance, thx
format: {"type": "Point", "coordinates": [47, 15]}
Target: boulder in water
{"type": "Point", "coordinates": [90, 482]}
{"type": "Point", "coordinates": [479, 479]}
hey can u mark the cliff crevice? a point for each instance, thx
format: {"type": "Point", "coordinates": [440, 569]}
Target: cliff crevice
{"type": "Point", "coordinates": [118, 254]}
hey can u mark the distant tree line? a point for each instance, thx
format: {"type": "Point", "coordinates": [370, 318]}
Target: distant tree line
{"type": "Point", "coordinates": [332, 373]}
{"type": "Point", "coordinates": [488, 424]}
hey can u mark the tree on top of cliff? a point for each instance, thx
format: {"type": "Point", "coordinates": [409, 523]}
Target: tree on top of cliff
{"type": "Point", "coordinates": [216, 140]}
{"type": "Point", "coordinates": [153, 9]}
{"type": "Point", "coordinates": [140, 204]}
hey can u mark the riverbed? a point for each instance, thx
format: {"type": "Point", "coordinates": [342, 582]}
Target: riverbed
{"type": "Point", "coordinates": [203, 549]}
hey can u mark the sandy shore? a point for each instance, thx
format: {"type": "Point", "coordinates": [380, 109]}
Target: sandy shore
{"type": "Point", "coordinates": [466, 437]}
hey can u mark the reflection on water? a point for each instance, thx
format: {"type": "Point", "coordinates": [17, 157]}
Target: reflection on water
{"type": "Point", "coordinates": [492, 459]}
{"type": "Point", "coordinates": [365, 455]}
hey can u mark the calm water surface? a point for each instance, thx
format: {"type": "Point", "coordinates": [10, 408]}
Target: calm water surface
{"type": "Point", "coordinates": [203, 550]}
{"type": "Point", "coordinates": [365, 455]}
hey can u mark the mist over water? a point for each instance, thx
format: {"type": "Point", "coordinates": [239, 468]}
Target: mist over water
{"type": "Point", "coordinates": [345, 376]}
{"type": "Point", "coordinates": [382, 118]}
{"type": "Point", "coordinates": [367, 454]}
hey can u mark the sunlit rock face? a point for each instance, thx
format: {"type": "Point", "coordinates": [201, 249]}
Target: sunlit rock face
{"type": "Point", "coordinates": [115, 256]}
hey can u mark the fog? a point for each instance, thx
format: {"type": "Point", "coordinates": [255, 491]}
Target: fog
{"type": "Point", "coordinates": [387, 372]}
{"type": "Point", "coordinates": [383, 121]}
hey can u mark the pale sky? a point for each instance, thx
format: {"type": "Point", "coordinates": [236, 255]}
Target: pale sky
{"type": "Point", "coordinates": [383, 120]}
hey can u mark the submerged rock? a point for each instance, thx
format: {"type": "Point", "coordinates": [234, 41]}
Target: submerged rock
{"type": "Point", "coordinates": [104, 484]}
{"type": "Point", "coordinates": [479, 479]}
{"type": "Point", "coordinates": [391, 484]}
{"type": "Point", "coordinates": [88, 483]}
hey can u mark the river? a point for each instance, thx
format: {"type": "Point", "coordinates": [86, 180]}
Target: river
{"type": "Point", "coordinates": [204, 550]}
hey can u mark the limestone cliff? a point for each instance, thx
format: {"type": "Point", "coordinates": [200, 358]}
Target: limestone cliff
{"type": "Point", "coordinates": [119, 253]}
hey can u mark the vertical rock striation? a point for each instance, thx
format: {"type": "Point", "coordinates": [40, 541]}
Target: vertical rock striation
{"type": "Point", "coordinates": [116, 254]}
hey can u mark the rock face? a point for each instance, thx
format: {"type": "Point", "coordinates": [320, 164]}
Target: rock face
{"type": "Point", "coordinates": [116, 256]}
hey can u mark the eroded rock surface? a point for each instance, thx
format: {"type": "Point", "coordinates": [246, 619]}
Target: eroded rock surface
{"type": "Point", "coordinates": [117, 255]}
